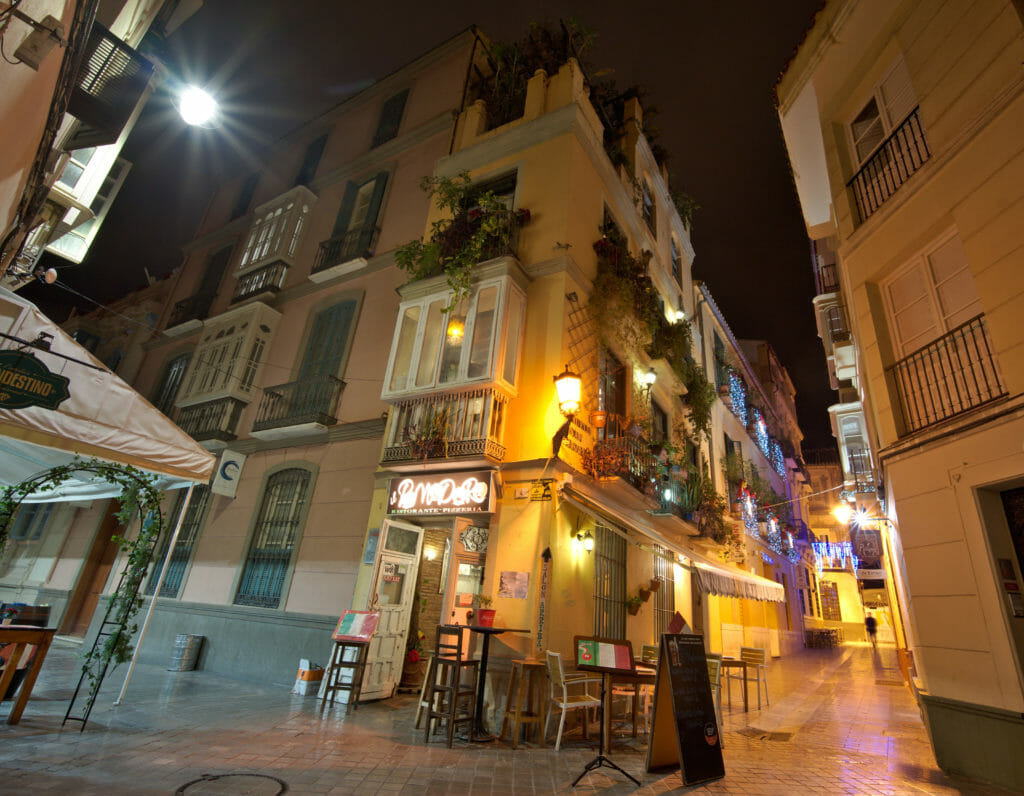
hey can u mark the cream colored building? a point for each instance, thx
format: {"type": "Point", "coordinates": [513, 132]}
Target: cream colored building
{"type": "Point", "coordinates": [902, 122]}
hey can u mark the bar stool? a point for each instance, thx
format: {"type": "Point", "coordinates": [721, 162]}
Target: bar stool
{"type": "Point", "coordinates": [449, 698]}
{"type": "Point", "coordinates": [522, 706]}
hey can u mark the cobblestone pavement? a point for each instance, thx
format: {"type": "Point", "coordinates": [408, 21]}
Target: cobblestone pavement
{"type": "Point", "coordinates": [840, 721]}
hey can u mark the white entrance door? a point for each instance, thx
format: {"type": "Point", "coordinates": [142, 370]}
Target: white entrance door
{"type": "Point", "coordinates": [394, 584]}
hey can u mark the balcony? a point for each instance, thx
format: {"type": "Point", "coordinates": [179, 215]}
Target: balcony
{"type": "Point", "coordinates": [949, 376]}
{"type": "Point", "coordinates": [894, 162]}
{"type": "Point", "coordinates": [262, 281]}
{"type": "Point", "coordinates": [861, 473]}
{"type": "Point", "coordinates": [826, 280]}
{"type": "Point", "coordinates": [464, 425]}
{"type": "Point", "coordinates": [188, 314]}
{"type": "Point", "coordinates": [621, 452]}
{"type": "Point", "coordinates": [212, 424]}
{"type": "Point", "coordinates": [344, 254]}
{"type": "Point", "coordinates": [298, 407]}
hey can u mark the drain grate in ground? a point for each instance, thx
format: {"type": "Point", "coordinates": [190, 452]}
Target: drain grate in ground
{"type": "Point", "coordinates": [236, 783]}
{"type": "Point", "coordinates": [888, 682]}
{"type": "Point", "coordinates": [764, 735]}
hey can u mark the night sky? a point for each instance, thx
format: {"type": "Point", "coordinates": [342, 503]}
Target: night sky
{"type": "Point", "coordinates": [709, 68]}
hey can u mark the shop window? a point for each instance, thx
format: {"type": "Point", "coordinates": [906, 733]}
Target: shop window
{"type": "Point", "coordinates": [281, 514]}
{"type": "Point", "coordinates": [476, 344]}
{"type": "Point", "coordinates": [30, 522]}
{"type": "Point", "coordinates": [609, 583]}
{"type": "Point", "coordinates": [170, 382]}
{"type": "Point", "coordinates": [183, 547]}
{"type": "Point", "coordinates": [390, 118]}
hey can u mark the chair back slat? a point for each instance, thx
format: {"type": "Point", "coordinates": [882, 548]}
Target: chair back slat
{"type": "Point", "coordinates": [554, 660]}
{"type": "Point", "coordinates": [449, 642]}
{"type": "Point", "coordinates": [755, 655]}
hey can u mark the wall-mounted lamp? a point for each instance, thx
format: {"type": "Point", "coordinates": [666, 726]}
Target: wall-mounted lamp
{"type": "Point", "coordinates": [650, 377]}
{"type": "Point", "coordinates": [587, 540]}
{"type": "Point", "coordinates": [680, 316]}
{"type": "Point", "coordinates": [430, 553]}
{"type": "Point", "coordinates": [568, 386]}
{"type": "Point", "coordinates": [843, 513]}
{"type": "Point", "coordinates": [455, 330]}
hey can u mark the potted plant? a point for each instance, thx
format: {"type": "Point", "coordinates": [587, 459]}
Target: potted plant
{"type": "Point", "coordinates": [645, 594]}
{"type": "Point", "coordinates": [633, 604]}
{"type": "Point", "coordinates": [655, 584]}
{"type": "Point", "coordinates": [484, 613]}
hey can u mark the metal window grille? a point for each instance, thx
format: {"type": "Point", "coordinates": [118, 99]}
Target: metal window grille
{"type": "Point", "coordinates": [183, 547]}
{"type": "Point", "coordinates": [665, 597]}
{"type": "Point", "coordinates": [273, 541]}
{"type": "Point", "coordinates": [609, 583]}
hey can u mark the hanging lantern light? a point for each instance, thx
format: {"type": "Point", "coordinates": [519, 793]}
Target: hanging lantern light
{"type": "Point", "coordinates": [568, 386]}
{"type": "Point", "coordinates": [455, 330]}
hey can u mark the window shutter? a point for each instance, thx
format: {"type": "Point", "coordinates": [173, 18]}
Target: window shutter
{"type": "Point", "coordinates": [370, 224]}
{"type": "Point", "coordinates": [310, 161]}
{"type": "Point", "coordinates": [913, 313]}
{"type": "Point", "coordinates": [348, 201]}
{"type": "Point", "coordinates": [390, 119]}
{"type": "Point", "coordinates": [327, 341]}
{"type": "Point", "coordinates": [897, 94]}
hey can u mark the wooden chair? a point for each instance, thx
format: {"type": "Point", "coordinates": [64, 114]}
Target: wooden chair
{"type": "Point", "coordinates": [756, 659]}
{"type": "Point", "coordinates": [561, 698]}
{"type": "Point", "coordinates": [523, 699]}
{"type": "Point", "coordinates": [715, 678]}
{"type": "Point", "coordinates": [449, 698]}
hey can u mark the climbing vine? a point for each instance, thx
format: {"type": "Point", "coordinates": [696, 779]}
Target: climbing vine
{"type": "Point", "coordinates": [140, 499]}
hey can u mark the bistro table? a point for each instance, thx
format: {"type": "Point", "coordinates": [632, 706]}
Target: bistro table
{"type": "Point", "coordinates": [641, 675]}
{"type": "Point", "coordinates": [20, 637]}
{"type": "Point", "coordinates": [479, 732]}
{"type": "Point", "coordinates": [733, 663]}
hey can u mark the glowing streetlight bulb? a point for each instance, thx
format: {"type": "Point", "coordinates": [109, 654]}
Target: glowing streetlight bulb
{"type": "Point", "coordinates": [196, 107]}
{"type": "Point", "coordinates": [842, 513]}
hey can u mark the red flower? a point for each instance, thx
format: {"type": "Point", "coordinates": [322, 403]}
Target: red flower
{"type": "Point", "coordinates": [522, 215]}
{"type": "Point", "coordinates": [413, 656]}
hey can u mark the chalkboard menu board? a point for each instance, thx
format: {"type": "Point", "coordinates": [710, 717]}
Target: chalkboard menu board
{"type": "Point", "coordinates": [683, 703]}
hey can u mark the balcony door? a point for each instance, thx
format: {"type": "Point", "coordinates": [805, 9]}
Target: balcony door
{"type": "Point", "coordinates": [323, 359]}
{"type": "Point", "coordinates": [392, 594]}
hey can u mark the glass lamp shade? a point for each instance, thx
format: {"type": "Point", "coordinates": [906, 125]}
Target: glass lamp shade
{"type": "Point", "coordinates": [587, 540]}
{"type": "Point", "coordinates": [650, 377]}
{"type": "Point", "coordinates": [456, 330]}
{"type": "Point", "coordinates": [568, 387]}
{"type": "Point", "coordinates": [843, 513]}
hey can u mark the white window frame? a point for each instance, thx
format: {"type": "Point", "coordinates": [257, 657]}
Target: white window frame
{"type": "Point", "coordinates": [229, 357]}
{"type": "Point", "coordinates": [888, 123]}
{"type": "Point", "coordinates": [499, 343]}
{"type": "Point", "coordinates": [30, 522]}
{"type": "Point", "coordinates": [276, 230]}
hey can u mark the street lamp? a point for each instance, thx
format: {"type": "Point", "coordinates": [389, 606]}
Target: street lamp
{"type": "Point", "coordinates": [843, 513]}
{"type": "Point", "coordinates": [568, 387]}
{"type": "Point", "coordinates": [197, 107]}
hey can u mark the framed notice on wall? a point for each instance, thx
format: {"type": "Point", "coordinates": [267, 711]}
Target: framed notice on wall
{"type": "Point", "coordinates": [356, 626]}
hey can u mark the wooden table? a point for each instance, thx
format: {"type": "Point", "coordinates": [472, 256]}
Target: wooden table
{"type": "Point", "coordinates": [479, 731]}
{"type": "Point", "coordinates": [733, 663]}
{"type": "Point", "coordinates": [642, 675]}
{"type": "Point", "coordinates": [21, 636]}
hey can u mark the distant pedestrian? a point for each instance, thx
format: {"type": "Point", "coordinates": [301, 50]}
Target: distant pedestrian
{"type": "Point", "coordinates": [871, 625]}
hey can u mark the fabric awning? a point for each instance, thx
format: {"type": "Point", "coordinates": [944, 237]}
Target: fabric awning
{"type": "Point", "coordinates": [622, 509]}
{"type": "Point", "coordinates": [104, 418]}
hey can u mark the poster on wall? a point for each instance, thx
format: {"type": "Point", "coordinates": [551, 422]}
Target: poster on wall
{"type": "Point", "coordinates": [514, 585]}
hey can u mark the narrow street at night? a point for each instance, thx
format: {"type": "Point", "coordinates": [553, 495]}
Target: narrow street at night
{"type": "Point", "coordinates": [841, 721]}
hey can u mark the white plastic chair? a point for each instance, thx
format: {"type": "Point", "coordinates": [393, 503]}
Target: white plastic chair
{"type": "Point", "coordinates": [561, 698]}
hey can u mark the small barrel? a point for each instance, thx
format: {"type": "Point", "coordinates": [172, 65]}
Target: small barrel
{"type": "Point", "coordinates": [186, 652]}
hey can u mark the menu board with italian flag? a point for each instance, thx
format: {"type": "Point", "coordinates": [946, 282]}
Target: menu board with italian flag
{"type": "Point", "coordinates": [603, 654]}
{"type": "Point", "coordinates": [356, 626]}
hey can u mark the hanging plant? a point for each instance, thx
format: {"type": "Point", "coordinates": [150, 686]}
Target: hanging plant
{"type": "Point", "coordinates": [477, 227]}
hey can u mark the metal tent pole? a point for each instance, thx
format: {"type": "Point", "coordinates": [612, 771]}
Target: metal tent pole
{"type": "Point", "coordinates": [156, 591]}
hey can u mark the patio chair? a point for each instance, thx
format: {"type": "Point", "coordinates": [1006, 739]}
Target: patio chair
{"type": "Point", "coordinates": [561, 698]}
{"type": "Point", "coordinates": [756, 659]}
{"type": "Point", "coordinates": [449, 697]}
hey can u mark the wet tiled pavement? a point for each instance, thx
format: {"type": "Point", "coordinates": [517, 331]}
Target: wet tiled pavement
{"type": "Point", "coordinates": [840, 721]}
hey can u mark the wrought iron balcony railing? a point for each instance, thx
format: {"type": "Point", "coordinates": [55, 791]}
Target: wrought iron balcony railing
{"type": "Point", "coordinates": [949, 376]}
{"type": "Point", "coordinates": [213, 420]}
{"type": "Point", "coordinates": [195, 307]}
{"type": "Point", "coordinates": [894, 162]}
{"type": "Point", "coordinates": [836, 325]}
{"type": "Point", "coordinates": [826, 280]}
{"type": "Point", "coordinates": [267, 279]}
{"type": "Point", "coordinates": [442, 425]}
{"type": "Point", "coordinates": [299, 402]}
{"type": "Point", "coordinates": [621, 451]}
{"type": "Point", "coordinates": [342, 248]}
{"type": "Point", "coordinates": [861, 472]}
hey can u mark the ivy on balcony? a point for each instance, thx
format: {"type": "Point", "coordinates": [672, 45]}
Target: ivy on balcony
{"type": "Point", "coordinates": [624, 305]}
{"type": "Point", "coordinates": [476, 228]}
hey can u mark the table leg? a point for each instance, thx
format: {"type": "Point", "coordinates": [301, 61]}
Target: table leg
{"type": "Point", "coordinates": [606, 714]}
{"type": "Point", "coordinates": [30, 680]}
{"type": "Point", "coordinates": [480, 732]}
{"type": "Point", "coordinates": [8, 675]}
{"type": "Point", "coordinates": [746, 703]}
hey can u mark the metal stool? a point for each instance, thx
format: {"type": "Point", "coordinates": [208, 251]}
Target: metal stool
{"type": "Point", "coordinates": [520, 711]}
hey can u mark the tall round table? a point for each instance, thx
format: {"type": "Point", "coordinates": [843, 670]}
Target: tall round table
{"type": "Point", "coordinates": [479, 732]}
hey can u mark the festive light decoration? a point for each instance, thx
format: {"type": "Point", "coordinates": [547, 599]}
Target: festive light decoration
{"type": "Point", "coordinates": [794, 555]}
{"type": "Point", "coordinates": [828, 554]}
{"type": "Point", "coordinates": [749, 507]}
{"type": "Point", "coordinates": [778, 460]}
{"type": "Point", "coordinates": [738, 396]}
{"type": "Point", "coordinates": [761, 430]}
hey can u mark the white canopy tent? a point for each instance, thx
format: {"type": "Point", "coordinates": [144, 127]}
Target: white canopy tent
{"type": "Point", "coordinates": [102, 418]}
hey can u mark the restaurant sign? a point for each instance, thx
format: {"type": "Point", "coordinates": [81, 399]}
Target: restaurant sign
{"type": "Point", "coordinates": [25, 381]}
{"type": "Point", "coordinates": [442, 493]}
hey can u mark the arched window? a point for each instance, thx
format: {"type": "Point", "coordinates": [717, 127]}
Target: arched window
{"type": "Point", "coordinates": [278, 522]}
